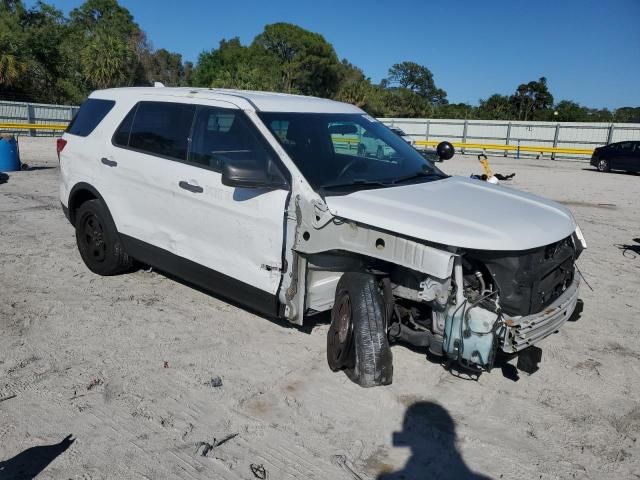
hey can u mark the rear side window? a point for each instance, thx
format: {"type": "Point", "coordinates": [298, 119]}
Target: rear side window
{"type": "Point", "coordinates": [91, 113]}
{"type": "Point", "coordinates": [121, 137]}
{"type": "Point", "coordinates": [161, 129]}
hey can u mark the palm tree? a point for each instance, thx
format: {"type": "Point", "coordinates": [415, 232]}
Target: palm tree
{"type": "Point", "coordinates": [11, 69]}
{"type": "Point", "coordinates": [106, 61]}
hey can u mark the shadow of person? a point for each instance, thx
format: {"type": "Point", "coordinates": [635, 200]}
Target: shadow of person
{"type": "Point", "coordinates": [33, 460]}
{"type": "Point", "coordinates": [429, 431]}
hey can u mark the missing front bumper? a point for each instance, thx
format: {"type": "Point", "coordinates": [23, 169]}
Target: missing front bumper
{"type": "Point", "coordinates": [523, 332]}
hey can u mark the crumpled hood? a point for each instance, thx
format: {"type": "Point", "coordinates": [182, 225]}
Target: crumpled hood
{"type": "Point", "coordinates": [459, 212]}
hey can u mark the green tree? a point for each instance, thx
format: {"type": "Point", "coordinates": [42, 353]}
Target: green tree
{"type": "Point", "coordinates": [233, 65]}
{"type": "Point", "coordinates": [568, 111]}
{"type": "Point", "coordinates": [627, 115]}
{"type": "Point", "coordinates": [531, 98]}
{"type": "Point", "coordinates": [496, 107]}
{"type": "Point", "coordinates": [305, 62]}
{"type": "Point", "coordinates": [106, 61]}
{"type": "Point", "coordinates": [163, 66]}
{"type": "Point", "coordinates": [418, 79]}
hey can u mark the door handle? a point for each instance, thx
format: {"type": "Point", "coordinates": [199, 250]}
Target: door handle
{"type": "Point", "coordinates": [109, 163]}
{"type": "Point", "coordinates": [191, 188]}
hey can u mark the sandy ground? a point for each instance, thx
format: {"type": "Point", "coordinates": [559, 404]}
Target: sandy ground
{"type": "Point", "coordinates": [124, 364]}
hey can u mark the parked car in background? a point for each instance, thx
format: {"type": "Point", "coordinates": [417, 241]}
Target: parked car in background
{"type": "Point", "coordinates": [617, 156]}
{"type": "Point", "coordinates": [371, 146]}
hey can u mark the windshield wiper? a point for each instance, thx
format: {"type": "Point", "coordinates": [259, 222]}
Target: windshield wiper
{"type": "Point", "coordinates": [420, 174]}
{"type": "Point", "coordinates": [354, 183]}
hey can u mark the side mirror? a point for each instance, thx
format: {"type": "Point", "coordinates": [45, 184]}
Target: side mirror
{"type": "Point", "coordinates": [252, 174]}
{"type": "Point", "coordinates": [445, 151]}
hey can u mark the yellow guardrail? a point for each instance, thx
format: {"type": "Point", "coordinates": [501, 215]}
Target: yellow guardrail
{"type": "Point", "coordinates": [522, 148]}
{"type": "Point", "coordinates": [490, 146]}
{"type": "Point", "coordinates": [425, 143]}
{"type": "Point", "coordinates": [32, 126]}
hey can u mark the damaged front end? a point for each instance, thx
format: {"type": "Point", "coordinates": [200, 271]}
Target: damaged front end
{"type": "Point", "coordinates": [507, 301]}
{"type": "Point", "coordinates": [462, 304]}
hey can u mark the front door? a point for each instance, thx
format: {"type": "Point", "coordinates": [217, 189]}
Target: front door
{"type": "Point", "coordinates": [170, 194]}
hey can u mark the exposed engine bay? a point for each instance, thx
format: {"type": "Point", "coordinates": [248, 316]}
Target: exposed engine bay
{"type": "Point", "coordinates": [498, 291]}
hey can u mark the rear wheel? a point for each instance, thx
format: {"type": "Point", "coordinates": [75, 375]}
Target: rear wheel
{"type": "Point", "coordinates": [357, 338]}
{"type": "Point", "coordinates": [603, 165]}
{"type": "Point", "coordinates": [98, 241]}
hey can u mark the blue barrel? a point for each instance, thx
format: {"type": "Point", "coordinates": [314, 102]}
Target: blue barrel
{"type": "Point", "coordinates": [9, 154]}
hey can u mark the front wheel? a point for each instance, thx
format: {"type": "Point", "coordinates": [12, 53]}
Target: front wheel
{"type": "Point", "coordinates": [357, 338]}
{"type": "Point", "coordinates": [98, 240]}
{"type": "Point", "coordinates": [603, 165]}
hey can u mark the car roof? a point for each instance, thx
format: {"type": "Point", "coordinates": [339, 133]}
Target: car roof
{"type": "Point", "coordinates": [243, 99]}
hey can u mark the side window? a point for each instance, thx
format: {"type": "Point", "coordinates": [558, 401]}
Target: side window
{"type": "Point", "coordinates": [121, 137]}
{"type": "Point", "coordinates": [161, 128]}
{"type": "Point", "coordinates": [219, 134]}
{"type": "Point", "coordinates": [91, 113]}
{"type": "Point", "coordinates": [625, 146]}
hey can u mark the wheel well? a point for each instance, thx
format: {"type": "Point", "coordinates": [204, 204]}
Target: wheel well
{"type": "Point", "coordinates": [79, 197]}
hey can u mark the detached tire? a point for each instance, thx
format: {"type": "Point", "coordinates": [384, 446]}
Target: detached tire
{"type": "Point", "coordinates": [357, 338]}
{"type": "Point", "coordinates": [98, 240]}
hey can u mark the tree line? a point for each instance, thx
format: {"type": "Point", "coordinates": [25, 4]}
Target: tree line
{"type": "Point", "coordinates": [47, 57]}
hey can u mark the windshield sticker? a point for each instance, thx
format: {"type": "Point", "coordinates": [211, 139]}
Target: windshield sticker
{"type": "Point", "coordinates": [370, 118]}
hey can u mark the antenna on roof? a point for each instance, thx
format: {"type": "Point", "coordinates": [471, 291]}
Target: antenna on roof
{"type": "Point", "coordinates": [158, 84]}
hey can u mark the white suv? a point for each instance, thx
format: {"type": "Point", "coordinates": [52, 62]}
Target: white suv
{"type": "Point", "coordinates": [260, 198]}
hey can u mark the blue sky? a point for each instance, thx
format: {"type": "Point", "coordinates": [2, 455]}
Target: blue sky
{"type": "Point", "coordinates": [589, 50]}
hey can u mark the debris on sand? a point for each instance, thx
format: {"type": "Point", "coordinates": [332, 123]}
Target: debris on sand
{"type": "Point", "coordinates": [8, 397]}
{"type": "Point", "coordinates": [205, 447]}
{"type": "Point", "coordinates": [94, 383]}
{"type": "Point", "coordinates": [343, 462]}
{"type": "Point", "coordinates": [165, 365]}
{"type": "Point", "coordinates": [258, 471]}
{"type": "Point", "coordinates": [215, 382]}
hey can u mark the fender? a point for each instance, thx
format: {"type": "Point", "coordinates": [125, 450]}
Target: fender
{"type": "Point", "coordinates": [80, 193]}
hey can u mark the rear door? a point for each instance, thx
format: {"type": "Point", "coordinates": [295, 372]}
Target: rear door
{"type": "Point", "coordinates": [622, 158]}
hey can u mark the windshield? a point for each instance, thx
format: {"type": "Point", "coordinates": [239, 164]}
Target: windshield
{"type": "Point", "coordinates": [339, 153]}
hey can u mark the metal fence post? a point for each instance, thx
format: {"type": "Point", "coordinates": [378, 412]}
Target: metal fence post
{"type": "Point", "coordinates": [506, 140]}
{"type": "Point", "coordinates": [610, 134]}
{"type": "Point", "coordinates": [30, 116]}
{"type": "Point", "coordinates": [464, 134]}
{"type": "Point", "coordinates": [555, 141]}
{"type": "Point", "coordinates": [426, 133]}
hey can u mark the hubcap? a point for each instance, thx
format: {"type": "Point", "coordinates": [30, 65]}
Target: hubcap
{"type": "Point", "coordinates": [93, 236]}
{"type": "Point", "coordinates": [602, 165]}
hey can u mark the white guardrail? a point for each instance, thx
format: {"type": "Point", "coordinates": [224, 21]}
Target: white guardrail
{"type": "Point", "coordinates": [567, 139]}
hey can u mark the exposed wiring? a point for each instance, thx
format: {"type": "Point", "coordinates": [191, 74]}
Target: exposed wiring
{"type": "Point", "coordinates": [582, 276]}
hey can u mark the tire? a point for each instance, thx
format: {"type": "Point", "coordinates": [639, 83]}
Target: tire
{"type": "Point", "coordinates": [603, 165]}
{"type": "Point", "coordinates": [380, 153]}
{"type": "Point", "coordinates": [357, 338]}
{"type": "Point", "coordinates": [98, 240]}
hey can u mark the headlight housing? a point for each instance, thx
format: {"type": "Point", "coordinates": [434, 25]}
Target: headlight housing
{"type": "Point", "coordinates": [580, 237]}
